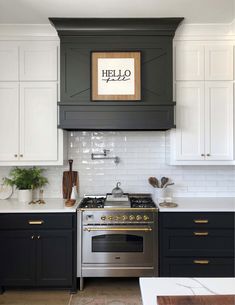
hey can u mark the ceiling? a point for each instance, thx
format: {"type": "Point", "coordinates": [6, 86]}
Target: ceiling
{"type": "Point", "coordinates": [194, 11]}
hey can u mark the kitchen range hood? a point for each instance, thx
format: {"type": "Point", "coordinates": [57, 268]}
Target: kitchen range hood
{"type": "Point", "coordinates": [149, 39]}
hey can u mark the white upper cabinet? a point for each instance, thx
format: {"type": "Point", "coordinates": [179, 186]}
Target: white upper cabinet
{"type": "Point", "coordinates": [219, 62]}
{"type": "Point", "coordinates": [38, 121]}
{"type": "Point", "coordinates": [219, 120]}
{"type": "Point", "coordinates": [195, 61]}
{"type": "Point", "coordinates": [190, 121]}
{"type": "Point", "coordinates": [38, 61]}
{"type": "Point", "coordinates": [9, 63]}
{"type": "Point", "coordinates": [9, 121]}
{"type": "Point", "coordinates": [28, 104]}
{"type": "Point", "coordinates": [189, 62]}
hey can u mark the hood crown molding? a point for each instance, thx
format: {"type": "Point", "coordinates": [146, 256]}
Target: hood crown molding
{"type": "Point", "coordinates": [115, 26]}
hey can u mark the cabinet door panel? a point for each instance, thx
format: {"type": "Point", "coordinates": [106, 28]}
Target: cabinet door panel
{"type": "Point", "coordinates": [9, 61]}
{"type": "Point", "coordinates": [17, 258]}
{"type": "Point", "coordinates": [189, 64]}
{"type": "Point", "coordinates": [219, 122]}
{"type": "Point", "coordinates": [214, 243]}
{"type": "Point", "coordinates": [189, 121]}
{"type": "Point", "coordinates": [219, 62]}
{"type": "Point", "coordinates": [38, 61]}
{"type": "Point", "coordinates": [9, 121]}
{"type": "Point", "coordinates": [54, 266]}
{"type": "Point", "coordinates": [38, 125]}
{"type": "Point", "coordinates": [186, 267]}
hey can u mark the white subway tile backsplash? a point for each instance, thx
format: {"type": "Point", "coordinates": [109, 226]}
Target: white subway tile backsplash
{"type": "Point", "coordinates": [142, 155]}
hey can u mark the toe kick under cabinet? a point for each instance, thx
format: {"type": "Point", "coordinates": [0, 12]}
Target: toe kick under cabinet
{"type": "Point", "coordinates": [194, 244]}
{"type": "Point", "coordinates": [38, 250]}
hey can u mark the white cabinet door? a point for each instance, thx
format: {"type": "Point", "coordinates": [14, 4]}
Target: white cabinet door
{"type": "Point", "coordinates": [9, 121]}
{"type": "Point", "coordinates": [38, 61]}
{"type": "Point", "coordinates": [38, 124]}
{"type": "Point", "coordinates": [9, 61]}
{"type": "Point", "coordinates": [219, 62]}
{"type": "Point", "coordinates": [189, 62]}
{"type": "Point", "coordinates": [219, 120]}
{"type": "Point", "coordinates": [190, 121]}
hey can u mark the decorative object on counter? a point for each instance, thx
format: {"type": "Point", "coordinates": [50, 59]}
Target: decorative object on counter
{"type": "Point", "coordinates": [103, 156]}
{"type": "Point", "coordinates": [117, 192]}
{"type": "Point", "coordinates": [26, 180]}
{"type": "Point", "coordinates": [70, 180]}
{"type": "Point", "coordinates": [5, 190]}
{"type": "Point", "coordinates": [161, 193]}
{"type": "Point", "coordinates": [166, 204]}
{"type": "Point", "coordinates": [70, 202]}
{"type": "Point", "coordinates": [116, 76]}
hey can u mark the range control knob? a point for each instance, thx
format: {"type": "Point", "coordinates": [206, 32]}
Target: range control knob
{"type": "Point", "coordinates": [124, 217]}
{"type": "Point", "coordinates": [103, 217]}
{"type": "Point", "coordinates": [146, 217]}
{"type": "Point", "coordinates": [116, 218]}
{"type": "Point", "coordinates": [138, 217]}
{"type": "Point", "coordinates": [110, 217]}
{"type": "Point", "coordinates": [132, 217]}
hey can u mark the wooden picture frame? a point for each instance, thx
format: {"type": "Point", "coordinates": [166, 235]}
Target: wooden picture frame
{"type": "Point", "coordinates": [116, 76]}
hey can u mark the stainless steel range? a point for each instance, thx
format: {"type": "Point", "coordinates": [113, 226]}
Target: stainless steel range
{"type": "Point", "coordinates": [117, 236]}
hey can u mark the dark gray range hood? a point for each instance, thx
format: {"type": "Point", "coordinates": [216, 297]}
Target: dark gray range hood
{"type": "Point", "coordinates": [152, 37]}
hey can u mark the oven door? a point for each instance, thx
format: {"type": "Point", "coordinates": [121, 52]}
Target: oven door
{"type": "Point", "coordinates": [132, 245]}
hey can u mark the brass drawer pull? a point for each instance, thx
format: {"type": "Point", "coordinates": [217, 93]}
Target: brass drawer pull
{"type": "Point", "coordinates": [201, 220]}
{"type": "Point", "coordinates": [200, 233]}
{"type": "Point", "coordinates": [201, 262]}
{"type": "Point", "coordinates": [36, 222]}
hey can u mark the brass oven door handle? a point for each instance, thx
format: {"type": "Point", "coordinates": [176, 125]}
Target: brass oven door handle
{"type": "Point", "coordinates": [201, 262]}
{"type": "Point", "coordinates": [119, 229]}
{"type": "Point", "coordinates": [35, 222]}
{"type": "Point", "coordinates": [201, 233]}
{"type": "Point", "coordinates": [201, 221]}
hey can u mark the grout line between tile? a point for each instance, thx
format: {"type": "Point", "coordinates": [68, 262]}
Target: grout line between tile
{"type": "Point", "coordinates": [70, 299]}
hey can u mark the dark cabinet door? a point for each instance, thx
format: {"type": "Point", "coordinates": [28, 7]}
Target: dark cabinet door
{"type": "Point", "coordinates": [17, 258]}
{"type": "Point", "coordinates": [54, 258]}
{"type": "Point", "coordinates": [197, 267]}
{"type": "Point", "coordinates": [207, 243]}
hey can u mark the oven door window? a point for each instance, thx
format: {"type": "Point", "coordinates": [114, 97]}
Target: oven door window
{"type": "Point", "coordinates": [117, 243]}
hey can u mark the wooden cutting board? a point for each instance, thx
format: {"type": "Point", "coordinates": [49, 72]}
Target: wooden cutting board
{"type": "Point", "coordinates": [197, 300]}
{"type": "Point", "coordinates": [70, 178]}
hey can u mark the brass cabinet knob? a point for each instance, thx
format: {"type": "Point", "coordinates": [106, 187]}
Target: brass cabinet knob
{"type": "Point", "coordinates": [208, 155]}
{"type": "Point", "coordinates": [21, 155]}
{"type": "Point", "coordinates": [32, 237]}
{"type": "Point", "coordinates": [203, 155]}
{"type": "Point", "coordinates": [15, 155]}
{"type": "Point", "coordinates": [39, 236]}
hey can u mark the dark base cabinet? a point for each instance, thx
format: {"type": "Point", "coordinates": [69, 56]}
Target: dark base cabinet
{"type": "Point", "coordinates": [38, 250]}
{"type": "Point", "coordinates": [196, 244]}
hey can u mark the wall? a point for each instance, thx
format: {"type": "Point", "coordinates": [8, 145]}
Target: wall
{"type": "Point", "coordinates": [142, 155]}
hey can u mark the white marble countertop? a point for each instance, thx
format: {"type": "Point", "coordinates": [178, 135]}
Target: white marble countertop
{"type": "Point", "coordinates": [153, 287]}
{"type": "Point", "coordinates": [199, 204]}
{"type": "Point", "coordinates": [52, 205]}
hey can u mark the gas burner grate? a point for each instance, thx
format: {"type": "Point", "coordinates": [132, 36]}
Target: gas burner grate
{"type": "Point", "coordinates": [142, 202]}
{"type": "Point", "coordinates": [92, 202]}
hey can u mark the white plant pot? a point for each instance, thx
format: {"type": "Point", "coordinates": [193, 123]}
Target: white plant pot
{"type": "Point", "coordinates": [25, 196]}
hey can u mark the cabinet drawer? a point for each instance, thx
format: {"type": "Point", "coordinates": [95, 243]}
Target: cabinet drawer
{"type": "Point", "coordinates": [37, 221]}
{"type": "Point", "coordinates": [192, 242]}
{"type": "Point", "coordinates": [198, 267]}
{"type": "Point", "coordinates": [197, 220]}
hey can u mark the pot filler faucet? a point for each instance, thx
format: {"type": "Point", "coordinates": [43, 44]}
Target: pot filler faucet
{"type": "Point", "coordinates": [104, 156]}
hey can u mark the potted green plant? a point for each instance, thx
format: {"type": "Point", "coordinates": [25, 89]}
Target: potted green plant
{"type": "Point", "coordinates": [25, 180]}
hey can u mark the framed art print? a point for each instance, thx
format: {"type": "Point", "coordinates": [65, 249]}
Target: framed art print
{"type": "Point", "coordinates": [115, 76]}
